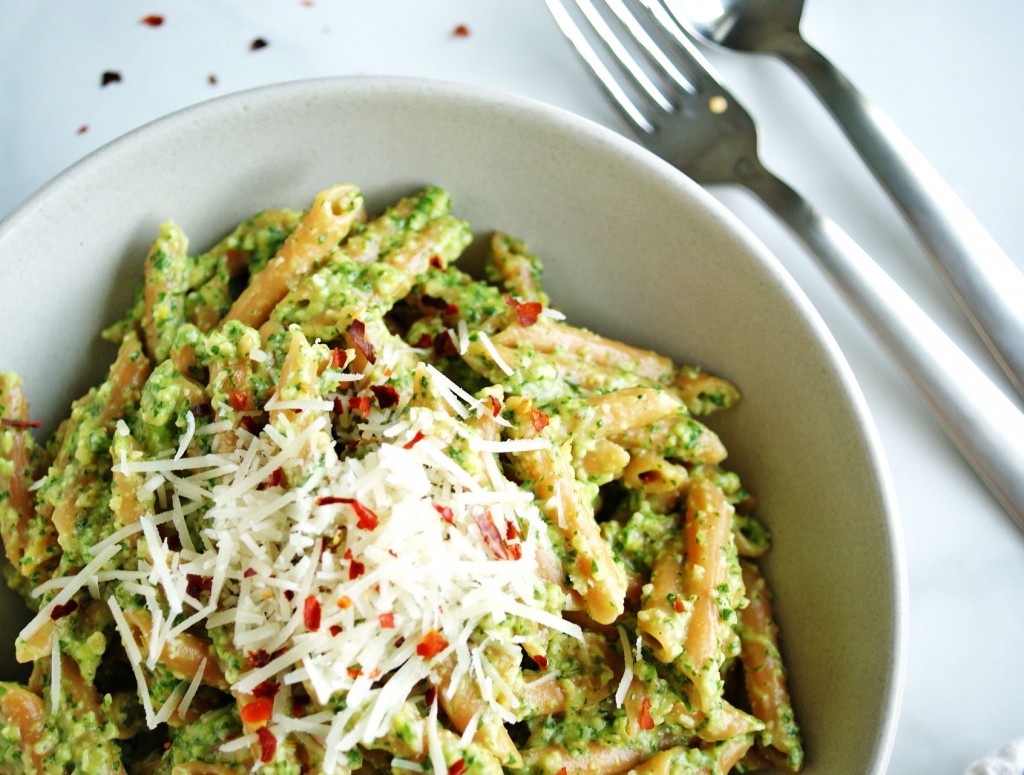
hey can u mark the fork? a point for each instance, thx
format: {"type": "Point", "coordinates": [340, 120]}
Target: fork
{"type": "Point", "coordinates": [677, 108]}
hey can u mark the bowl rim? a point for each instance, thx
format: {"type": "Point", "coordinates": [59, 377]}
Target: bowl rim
{"type": "Point", "coordinates": [397, 87]}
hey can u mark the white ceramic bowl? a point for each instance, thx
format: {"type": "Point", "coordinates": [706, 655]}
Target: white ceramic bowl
{"type": "Point", "coordinates": [632, 248]}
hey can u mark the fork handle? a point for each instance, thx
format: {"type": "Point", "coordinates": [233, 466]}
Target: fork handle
{"type": "Point", "coordinates": [982, 278]}
{"type": "Point", "coordinates": [984, 424]}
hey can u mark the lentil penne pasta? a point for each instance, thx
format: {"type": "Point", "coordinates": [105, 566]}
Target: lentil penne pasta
{"type": "Point", "coordinates": [340, 507]}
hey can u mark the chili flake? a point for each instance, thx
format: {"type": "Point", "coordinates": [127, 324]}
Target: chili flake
{"type": "Point", "coordinates": [153, 20]}
{"type": "Point", "coordinates": [20, 424]}
{"type": "Point", "coordinates": [414, 440]}
{"type": "Point", "coordinates": [526, 311]}
{"type": "Point", "coordinates": [257, 44]}
{"type": "Point", "coordinates": [461, 31]}
{"type": "Point", "coordinates": [387, 621]}
{"type": "Point", "coordinates": [360, 404]}
{"type": "Point", "coordinates": [311, 613]}
{"type": "Point", "coordinates": [268, 744]}
{"type": "Point", "coordinates": [645, 720]}
{"type": "Point", "coordinates": [458, 768]}
{"type": "Point", "coordinates": [257, 711]}
{"type": "Point", "coordinates": [109, 77]}
{"type": "Point", "coordinates": [386, 395]}
{"type": "Point", "coordinates": [357, 331]}
{"type": "Point", "coordinates": [446, 513]}
{"type": "Point", "coordinates": [60, 611]}
{"type": "Point", "coordinates": [432, 644]}
{"type": "Point", "coordinates": [538, 419]}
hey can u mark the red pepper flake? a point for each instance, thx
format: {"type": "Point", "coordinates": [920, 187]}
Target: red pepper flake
{"type": "Point", "coordinates": [414, 440]}
{"type": "Point", "coordinates": [425, 342]}
{"type": "Point", "coordinates": [366, 519]}
{"type": "Point", "coordinates": [446, 513]}
{"type": "Point", "coordinates": [355, 570]}
{"type": "Point", "coordinates": [511, 531]}
{"type": "Point", "coordinates": [432, 644]}
{"type": "Point", "coordinates": [445, 346]}
{"type": "Point", "coordinates": [357, 331]}
{"type": "Point", "coordinates": [239, 401]}
{"type": "Point", "coordinates": [211, 79]}
{"type": "Point", "coordinates": [153, 20]}
{"type": "Point", "coordinates": [646, 721]}
{"type": "Point", "coordinates": [19, 424]}
{"type": "Point", "coordinates": [461, 31]}
{"type": "Point", "coordinates": [60, 611]}
{"type": "Point", "coordinates": [526, 311]}
{"type": "Point", "coordinates": [678, 605]}
{"type": "Point", "coordinates": [257, 44]}
{"type": "Point", "coordinates": [386, 395]}
{"type": "Point", "coordinates": [354, 672]}
{"type": "Point", "coordinates": [268, 744]}
{"type": "Point", "coordinates": [257, 711]}
{"type": "Point", "coordinates": [195, 585]}
{"type": "Point", "coordinates": [259, 658]}
{"type": "Point", "coordinates": [458, 768]}
{"type": "Point", "coordinates": [495, 406]}
{"type": "Point", "coordinates": [387, 621]}
{"type": "Point", "coordinates": [82, 129]}
{"type": "Point", "coordinates": [515, 551]}
{"type": "Point", "coordinates": [538, 419]}
{"type": "Point", "coordinates": [491, 535]}
{"type": "Point", "coordinates": [267, 689]}
{"type": "Point", "coordinates": [436, 262]}
{"type": "Point", "coordinates": [334, 629]}
{"type": "Point", "coordinates": [430, 696]}
{"type": "Point", "coordinates": [344, 601]}
{"type": "Point", "coordinates": [360, 405]}
{"type": "Point", "coordinates": [311, 613]}
{"type": "Point", "coordinates": [541, 660]}
{"type": "Point", "coordinates": [109, 77]}
{"type": "Point", "coordinates": [647, 477]}
{"type": "Point", "coordinates": [202, 410]}
{"type": "Point", "coordinates": [339, 358]}
{"type": "Point", "coordinates": [248, 573]}
{"type": "Point", "coordinates": [563, 771]}
{"type": "Point", "coordinates": [289, 595]}
{"type": "Point", "coordinates": [275, 478]}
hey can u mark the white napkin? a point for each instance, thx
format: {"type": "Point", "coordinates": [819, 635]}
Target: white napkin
{"type": "Point", "coordinates": [1008, 760]}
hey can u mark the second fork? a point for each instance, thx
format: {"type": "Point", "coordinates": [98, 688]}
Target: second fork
{"type": "Point", "coordinates": [679, 110]}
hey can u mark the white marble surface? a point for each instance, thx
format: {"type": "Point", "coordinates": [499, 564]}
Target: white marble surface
{"type": "Point", "coordinates": [951, 82]}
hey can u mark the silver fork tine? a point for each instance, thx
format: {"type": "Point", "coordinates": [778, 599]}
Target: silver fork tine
{"type": "Point", "coordinates": [654, 52]}
{"type": "Point", "coordinates": [614, 45]}
{"type": "Point", "coordinates": [685, 53]}
{"type": "Point", "coordinates": [608, 83]}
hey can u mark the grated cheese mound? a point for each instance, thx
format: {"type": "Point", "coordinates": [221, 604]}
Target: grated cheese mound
{"type": "Point", "coordinates": [334, 580]}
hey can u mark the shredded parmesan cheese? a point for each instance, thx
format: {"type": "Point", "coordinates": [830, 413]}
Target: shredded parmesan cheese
{"type": "Point", "coordinates": [339, 578]}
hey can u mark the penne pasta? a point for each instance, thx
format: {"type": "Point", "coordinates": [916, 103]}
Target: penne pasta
{"type": "Point", "coordinates": [340, 506]}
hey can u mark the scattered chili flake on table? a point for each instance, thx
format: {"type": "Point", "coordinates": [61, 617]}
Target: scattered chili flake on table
{"type": "Point", "coordinates": [257, 44]}
{"type": "Point", "coordinates": [461, 31]}
{"type": "Point", "coordinates": [211, 79]}
{"type": "Point", "coordinates": [82, 129]}
{"type": "Point", "coordinates": [109, 77]}
{"type": "Point", "coordinates": [153, 20]}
